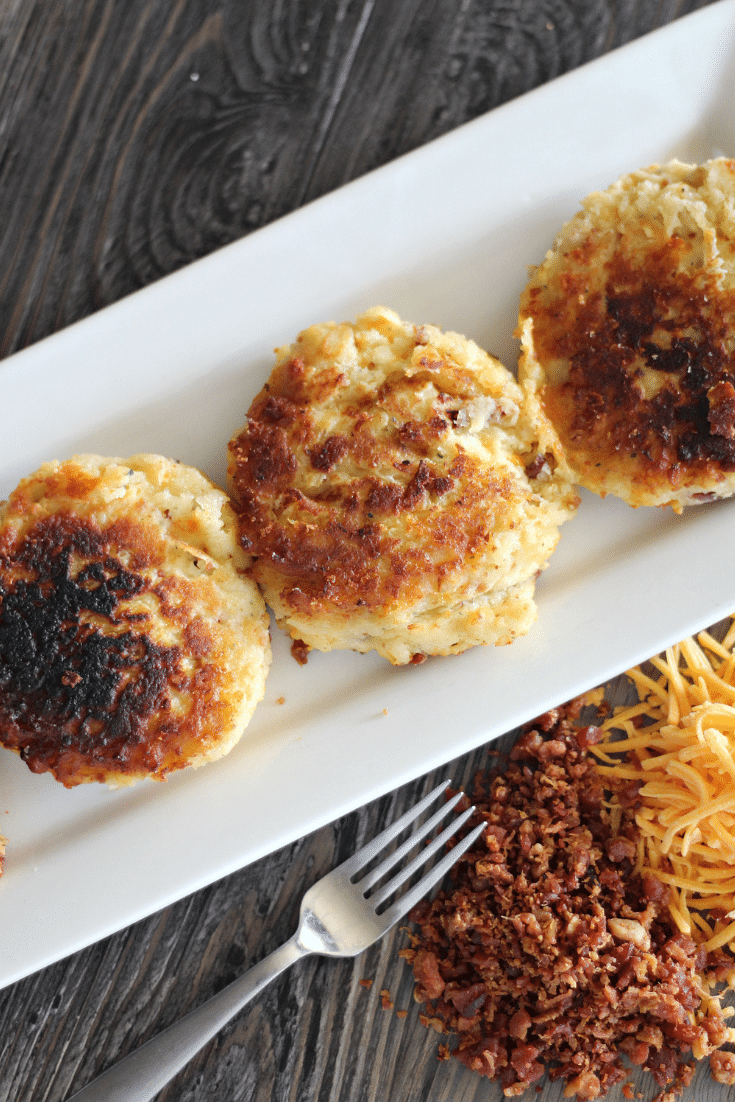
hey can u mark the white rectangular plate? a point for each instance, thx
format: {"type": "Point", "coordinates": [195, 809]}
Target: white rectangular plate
{"type": "Point", "coordinates": [443, 235]}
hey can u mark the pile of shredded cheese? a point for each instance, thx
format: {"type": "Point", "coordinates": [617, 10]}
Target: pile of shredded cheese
{"type": "Point", "coordinates": [679, 745]}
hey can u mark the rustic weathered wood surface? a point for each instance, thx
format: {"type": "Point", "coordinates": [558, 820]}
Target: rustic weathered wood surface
{"type": "Point", "coordinates": [136, 136]}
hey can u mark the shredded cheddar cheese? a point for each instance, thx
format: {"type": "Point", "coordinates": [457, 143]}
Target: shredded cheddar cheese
{"type": "Point", "coordinates": [678, 744]}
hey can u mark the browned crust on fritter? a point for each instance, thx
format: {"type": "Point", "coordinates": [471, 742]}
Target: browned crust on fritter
{"type": "Point", "coordinates": [113, 666]}
{"type": "Point", "coordinates": [640, 315]}
{"type": "Point", "coordinates": [677, 324]}
{"type": "Point", "coordinates": [338, 544]}
{"type": "Point", "coordinates": [82, 687]}
{"type": "Point", "coordinates": [394, 491]}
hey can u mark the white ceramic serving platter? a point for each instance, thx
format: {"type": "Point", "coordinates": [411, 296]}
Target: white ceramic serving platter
{"type": "Point", "coordinates": [442, 235]}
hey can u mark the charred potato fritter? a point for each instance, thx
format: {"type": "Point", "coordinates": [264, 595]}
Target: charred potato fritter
{"type": "Point", "coordinates": [131, 643]}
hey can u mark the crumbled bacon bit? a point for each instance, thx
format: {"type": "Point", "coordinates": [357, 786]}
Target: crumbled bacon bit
{"type": "Point", "coordinates": [385, 998]}
{"type": "Point", "coordinates": [549, 953]}
{"type": "Point", "coordinates": [300, 651]}
{"type": "Point", "coordinates": [366, 984]}
{"type": "Point", "coordinates": [722, 1067]}
{"type": "Point", "coordinates": [541, 466]}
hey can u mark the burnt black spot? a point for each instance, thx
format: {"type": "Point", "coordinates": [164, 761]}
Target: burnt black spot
{"type": "Point", "coordinates": [72, 673]}
{"type": "Point", "coordinates": [632, 315]}
{"type": "Point", "coordinates": [681, 355]}
{"type": "Point", "coordinates": [670, 326]}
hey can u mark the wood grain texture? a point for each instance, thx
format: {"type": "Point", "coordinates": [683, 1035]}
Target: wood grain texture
{"type": "Point", "coordinates": [136, 136]}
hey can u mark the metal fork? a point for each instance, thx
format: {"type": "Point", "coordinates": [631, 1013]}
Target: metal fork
{"type": "Point", "coordinates": [340, 917]}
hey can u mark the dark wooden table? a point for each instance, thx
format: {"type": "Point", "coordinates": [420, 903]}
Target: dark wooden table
{"type": "Point", "coordinates": [135, 137]}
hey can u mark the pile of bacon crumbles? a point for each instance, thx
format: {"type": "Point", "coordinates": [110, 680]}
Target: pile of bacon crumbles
{"type": "Point", "coordinates": [548, 953]}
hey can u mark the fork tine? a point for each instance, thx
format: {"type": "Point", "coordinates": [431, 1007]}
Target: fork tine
{"type": "Point", "coordinates": [372, 848]}
{"type": "Point", "coordinates": [402, 906]}
{"type": "Point", "coordinates": [420, 859]}
{"type": "Point", "coordinates": [411, 842]}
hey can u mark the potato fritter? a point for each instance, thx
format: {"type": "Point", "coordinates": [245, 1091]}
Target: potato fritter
{"type": "Point", "coordinates": [395, 492]}
{"type": "Point", "coordinates": [628, 338]}
{"type": "Point", "coordinates": [131, 643]}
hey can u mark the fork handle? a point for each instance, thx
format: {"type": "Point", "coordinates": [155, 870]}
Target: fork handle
{"type": "Point", "coordinates": [141, 1075]}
